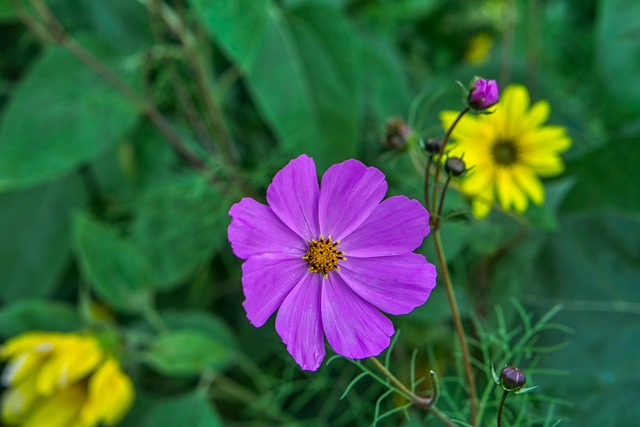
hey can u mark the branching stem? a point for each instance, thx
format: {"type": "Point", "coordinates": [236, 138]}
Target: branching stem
{"type": "Point", "coordinates": [418, 401]}
{"type": "Point", "coordinates": [53, 31]}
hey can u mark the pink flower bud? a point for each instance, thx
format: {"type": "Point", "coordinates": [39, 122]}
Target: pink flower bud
{"type": "Point", "coordinates": [483, 94]}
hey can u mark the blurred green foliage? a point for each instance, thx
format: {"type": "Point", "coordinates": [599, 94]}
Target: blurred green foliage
{"type": "Point", "coordinates": [128, 129]}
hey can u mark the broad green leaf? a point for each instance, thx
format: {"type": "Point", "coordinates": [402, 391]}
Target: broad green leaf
{"type": "Point", "coordinates": [114, 267]}
{"type": "Point", "coordinates": [38, 314]}
{"type": "Point", "coordinates": [302, 66]}
{"type": "Point", "coordinates": [203, 322]}
{"type": "Point", "coordinates": [387, 92]}
{"type": "Point", "coordinates": [60, 115]}
{"type": "Point", "coordinates": [7, 12]}
{"type": "Point", "coordinates": [187, 352]}
{"type": "Point", "coordinates": [178, 226]}
{"type": "Point", "coordinates": [123, 24]}
{"type": "Point", "coordinates": [35, 230]}
{"type": "Point", "coordinates": [618, 58]}
{"type": "Point", "coordinates": [189, 410]}
{"type": "Point", "coordinates": [608, 178]}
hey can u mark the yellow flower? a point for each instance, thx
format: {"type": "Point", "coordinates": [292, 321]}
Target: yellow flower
{"type": "Point", "coordinates": [479, 49]}
{"type": "Point", "coordinates": [508, 150]}
{"type": "Point", "coordinates": [62, 380]}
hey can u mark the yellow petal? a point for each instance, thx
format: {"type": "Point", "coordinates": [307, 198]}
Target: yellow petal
{"type": "Point", "coordinates": [481, 203]}
{"type": "Point", "coordinates": [37, 341]}
{"type": "Point", "coordinates": [478, 180]}
{"type": "Point", "coordinates": [513, 105]}
{"type": "Point", "coordinates": [508, 192]}
{"type": "Point", "coordinates": [551, 139]}
{"type": "Point", "coordinates": [17, 401]}
{"type": "Point", "coordinates": [537, 115]}
{"type": "Point", "coordinates": [110, 395]}
{"type": "Point", "coordinates": [73, 359]}
{"type": "Point", "coordinates": [22, 366]}
{"type": "Point", "coordinates": [58, 410]}
{"type": "Point", "coordinates": [531, 185]}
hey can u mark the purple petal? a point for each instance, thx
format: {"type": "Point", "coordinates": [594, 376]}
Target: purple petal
{"type": "Point", "coordinates": [267, 280]}
{"type": "Point", "coordinates": [293, 196]}
{"type": "Point", "coordinates": [354, 328]}
{"type": "Point", "coordinates": [299, 324]}
{"type": "Point", "coordinates": [255, 230]}
{"type": "Point", "coordinates": [394, 284]}
{"type": "Point", "coordinates": [349, 193]}
{"type": "Point", "coordinates": [396, 226]}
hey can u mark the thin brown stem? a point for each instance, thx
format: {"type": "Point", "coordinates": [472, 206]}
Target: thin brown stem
{"type": "Point", "coordinates": [436, 220]}
{"type": "Point", "coordinates": [457, 322]}
{"type": "Point", "coordinates": [59, 36]}
{"type": "Point", "coordinates": [427, 174]}
{"type": "Point", "coordinates": [188, 40]}
{"type": "Point", "coordinates": [418, 401]}
{"type": "Point", "coordinates": [500, 409]}
{"type": "Point", "coordinates": [442, 194]}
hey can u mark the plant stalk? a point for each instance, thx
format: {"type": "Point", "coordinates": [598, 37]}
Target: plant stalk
{"type": "Point", "coordinates": [457, 322]}
{"type": "Point", "coordinates": [418, 401]}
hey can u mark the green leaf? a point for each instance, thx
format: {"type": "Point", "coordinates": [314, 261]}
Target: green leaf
{"type": "Point", "coordinates": [115, 268]}
{"type": "Point", "coordinates": [35, 229]}
{"type": "Point", "coordinates": [38, 314]}
{"type": "Point", "coordinates": [302, 67]}
{"type": "Point", "coordinates": [7, 12]}
{"type": "Point", "coordinates": [203, 322]}
{"type": "Point", "coordinates": [186, 352]}
{"type": "Point", "coordinates": [387, 92]}
{"type": "Point", "coordinates": [618, 58]}
{"type": "Point", "coordinates": [123, 24]}
{"type": "Point", "coordinates": [60, 115]}
{"type": "Point", "coordinates": [189, 410]}
{"type": "Point", "coordinates": [179, 226]}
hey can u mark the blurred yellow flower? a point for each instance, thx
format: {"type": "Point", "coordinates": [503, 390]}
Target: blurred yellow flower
{"type": "Point", "coordinates": [479, 49]}
{"type": "Point", "coordinates": [62, 380]}
{"type": "Point", "coordinates": [508, 150]}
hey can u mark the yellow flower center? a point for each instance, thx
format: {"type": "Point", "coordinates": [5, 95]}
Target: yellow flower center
{"type": "Point", "coordinates": [323, 256]}
{"type": "Point", "coordinates": [504, 152]}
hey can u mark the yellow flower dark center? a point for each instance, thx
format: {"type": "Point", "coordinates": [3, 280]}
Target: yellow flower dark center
{"type": "Point", "coordinates": [323, 256]}
{"type": "Point", "coordinates": [505, 152]}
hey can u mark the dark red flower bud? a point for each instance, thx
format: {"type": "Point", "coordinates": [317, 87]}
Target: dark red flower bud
{"type": "Point", "coordinates": [396, 133]}
{"type": "Point", "coordinates": [512, 378]}
{"type": "Point", "coordinates": [454, 166]}
{"type": "Point", "coordinates": [433, 145]}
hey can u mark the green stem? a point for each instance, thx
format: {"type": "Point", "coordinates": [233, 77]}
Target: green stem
{"type": "Point", "coordinates": [436, 220]}
{"type": "Point", "coordinates": [418, 401]}
{"type": "Point", "coordinates": [442, 194]}
{"type": "Point", "coordinates": [502, 401]}
{"type": "Point", "coordinates": [457, 322]}
{"type": "Point", "coordinates": [427, 174]}
{"type": "Point", "coordinates": [153, 318]}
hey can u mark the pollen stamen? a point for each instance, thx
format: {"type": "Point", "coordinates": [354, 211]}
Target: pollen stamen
{"type": "Point", "coordinates": [323, 256]}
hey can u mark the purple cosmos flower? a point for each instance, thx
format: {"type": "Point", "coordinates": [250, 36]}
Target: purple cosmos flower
{"type": "Point", "coordinates": [329, 258]}
{"type": "Point", "coordinates": [483, 94]}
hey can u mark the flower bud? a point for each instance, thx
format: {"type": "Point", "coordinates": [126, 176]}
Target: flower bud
{"type": "Point", "coordinates": [483, 94]}
{"type": "Point", "coordinates": [512, 378]}
{"type": "Point", "coordinates": [396, 133]}
{"type": "Point", "coordinates": [454, 166]}
{"type": "Point", "coordinates": [433, 145]}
